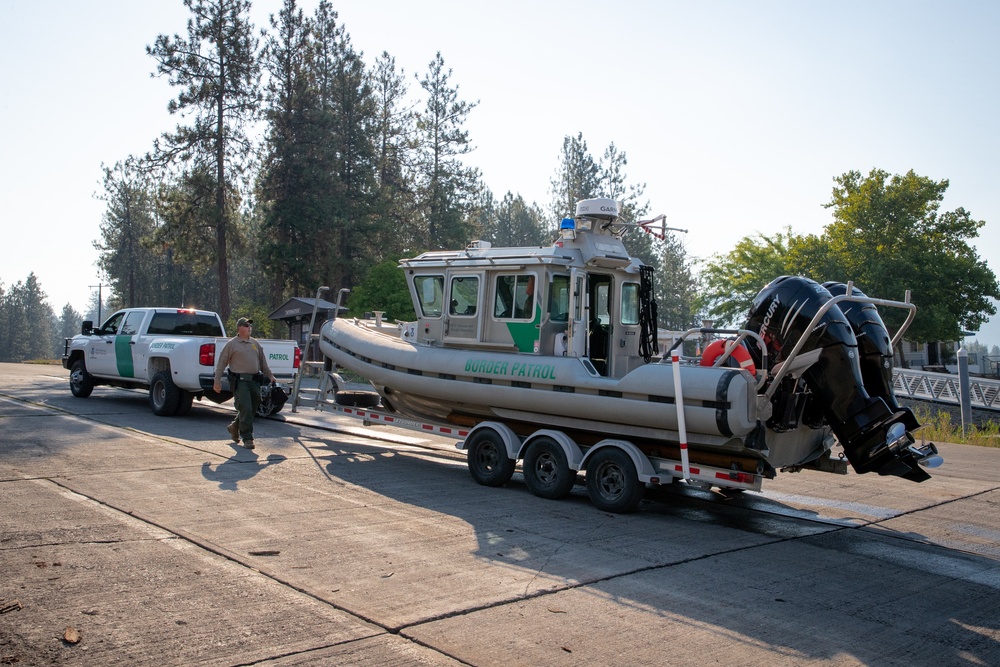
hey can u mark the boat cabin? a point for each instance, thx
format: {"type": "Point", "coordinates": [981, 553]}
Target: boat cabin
{"type": "Point", "coordinates": [579, 297]}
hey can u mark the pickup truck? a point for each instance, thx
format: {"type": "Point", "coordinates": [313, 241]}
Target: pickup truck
{"type": "Point", "coordinates": [172, 353]}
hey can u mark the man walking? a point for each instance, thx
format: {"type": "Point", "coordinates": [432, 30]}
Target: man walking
{"type": "Point", "coordinates": [245, 358]}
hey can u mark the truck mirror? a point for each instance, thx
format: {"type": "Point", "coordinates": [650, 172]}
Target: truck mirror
{"type": "Point", "coordinates": [87, 328]}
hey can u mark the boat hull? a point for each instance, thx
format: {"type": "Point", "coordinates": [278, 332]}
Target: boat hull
{"type": "Point", "coordinates": [467, 386]}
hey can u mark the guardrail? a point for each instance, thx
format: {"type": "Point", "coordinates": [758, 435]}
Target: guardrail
{"type": "Point", "coordinates": [945, 388]}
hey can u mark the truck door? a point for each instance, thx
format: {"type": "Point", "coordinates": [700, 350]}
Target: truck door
{"type": "Point", "coordinates": [101, 351]}
{"type": "Point", "coordinates": [128, 356]}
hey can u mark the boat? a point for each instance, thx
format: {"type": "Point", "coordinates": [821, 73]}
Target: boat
{"type": "Point", "coordinates": [562, 340]}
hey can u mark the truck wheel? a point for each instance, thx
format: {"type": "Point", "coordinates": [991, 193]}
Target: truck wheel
{"type": "Point", "coordinates": [184, 402]}
{"type": "Point", "coordinates": [487, 456]}
{"type": "Point", "coordinates": [546, 471]}
{"type": "Point", "coordinates": [612, 481]}
{"type": "Point", "coordinates": [81, 383]}
{"type": "Point", "coordinates": [164, 395]}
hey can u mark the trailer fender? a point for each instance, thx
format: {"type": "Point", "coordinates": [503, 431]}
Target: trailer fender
{"type": "Point", "coordinates": [510, 440]}
{"type": "Point", "coordinates": [643, 467]}
{"type": "Point", "coordinates": [574, 455]}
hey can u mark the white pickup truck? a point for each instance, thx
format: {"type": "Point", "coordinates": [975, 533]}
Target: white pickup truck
{"type": "Point", "coordinates": [171, 352]}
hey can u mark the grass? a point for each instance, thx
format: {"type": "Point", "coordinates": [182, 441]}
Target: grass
{"type": "Point", "coordinates": [938, 427]}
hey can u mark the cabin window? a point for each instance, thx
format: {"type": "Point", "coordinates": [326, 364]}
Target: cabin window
{"type": "Point", "coordinates": [515, 297]}
{"type": "Point", "coordinates": [430, 294]}
{"type": "Point", "coordinates": [630, 303]}
{"type": "Point", "coordinates": [601, 307]}
{"type": "Point", "coordinates": [464, 295]}
{"type": "Point", "coordinates": [559, 299]}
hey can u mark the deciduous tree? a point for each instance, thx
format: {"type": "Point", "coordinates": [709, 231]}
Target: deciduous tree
{"type": "Point", "coordinates": [889, 236]}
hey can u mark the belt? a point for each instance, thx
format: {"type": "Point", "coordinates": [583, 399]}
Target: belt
{"type": "Point", "coordinates": [243, 376]}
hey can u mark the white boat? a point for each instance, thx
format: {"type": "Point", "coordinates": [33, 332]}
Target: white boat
{"type": "Point", "coordinates": [563, 338]}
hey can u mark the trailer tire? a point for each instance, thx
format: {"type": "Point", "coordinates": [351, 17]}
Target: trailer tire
{"type": "Point", "coordinates": [487, 457]}
{"type": "Point", "coordinates": [546, 471]}
{"type": "Point", "coordinates": [184, 402]}
{"type": "Point", "coordinates": [81, 383]}
{"type": "Point", "coordinates": [358, 399]}
{"type": "Point", "coordinates": [164, 395]}
{"type": "Point", "coordinates": [612, 481]}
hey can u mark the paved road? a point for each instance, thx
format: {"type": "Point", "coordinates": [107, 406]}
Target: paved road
{"type": "Point", "coordinates": [160, 543]}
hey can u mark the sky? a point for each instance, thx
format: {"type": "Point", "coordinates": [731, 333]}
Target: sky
{"type": "Point", "coordinates": [736, 115]}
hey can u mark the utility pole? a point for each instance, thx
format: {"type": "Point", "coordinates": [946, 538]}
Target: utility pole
{"type": "Point", "coordinates": [100, 300]}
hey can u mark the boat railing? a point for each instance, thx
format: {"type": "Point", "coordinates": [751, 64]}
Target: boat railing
{"type": "Point", "coordinates": [787, 365]}
{"type": "Point", "coordinates": [741, 335]}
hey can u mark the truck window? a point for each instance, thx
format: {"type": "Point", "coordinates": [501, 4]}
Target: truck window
{"type": "Point", "coordinates": [185, 324]}
{"type": "Point", "coordinates": [132, 322]}
{"type": "Point", "coordinates": [111, 324]}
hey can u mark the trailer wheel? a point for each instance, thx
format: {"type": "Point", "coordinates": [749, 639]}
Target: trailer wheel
{"type": "Point", "coordinates": [487, 456]}
{"type": "Point", "coordinates": [612, 481]}
{"type": "Point", "coordinates": [546, 472]}
{"type": "Point", "coordinates": [184, 402]}
{"type": "Point", "coordinates": [81, 383]}
{"type": "Point", "coordinates": [164, 395]}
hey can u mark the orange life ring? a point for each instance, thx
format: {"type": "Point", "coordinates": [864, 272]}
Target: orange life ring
{"type": "Point", "coordinates": [716, 348]}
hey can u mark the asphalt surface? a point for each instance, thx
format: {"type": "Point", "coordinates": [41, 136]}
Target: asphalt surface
{"type": "Point", "coordinates": [127, 538]}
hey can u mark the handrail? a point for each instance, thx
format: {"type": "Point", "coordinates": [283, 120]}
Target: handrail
{"type": "Point", "coordinates": [848, 296]}
{"type": "Point", "coordinates": [741, 335]}
{"type": "Point", "coordinates": [786, 365]}
{"type": "Point", "coordinates": [984, 393]}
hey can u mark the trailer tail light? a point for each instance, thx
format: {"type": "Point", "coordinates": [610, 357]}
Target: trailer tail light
{"type": "Point", "coordinates": [206, 354]}
{"type": "Point", "coordinates": [741, 477]}
{"type": "Point", "coordinates": [298, 357]}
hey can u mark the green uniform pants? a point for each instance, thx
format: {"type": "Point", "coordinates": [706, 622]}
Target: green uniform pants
{"type": "Point", "coordinates": [246, 397]}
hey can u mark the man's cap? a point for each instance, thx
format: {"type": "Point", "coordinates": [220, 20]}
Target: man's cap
{"type": "Point", "coordinates": [243, 321]}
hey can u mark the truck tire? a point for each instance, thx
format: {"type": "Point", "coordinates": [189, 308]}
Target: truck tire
{"type": "Point", "coordinates": [164, 395]}
{"type": "Point", "coordinates": [612, 481]}
{"type": "Point", "coordinates": [81, 383]}
{"type": "Point", "coordinates": [184, 402]}
{"type": "Point", "coordinates": [546, 472]}
{"type": "Point", "coordinates": [487, 457]}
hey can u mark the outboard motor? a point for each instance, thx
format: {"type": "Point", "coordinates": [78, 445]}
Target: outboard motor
{"type": "Point", "coordinates": [874, 435]}
{"type": "Point", "coordinates": [874, 344]}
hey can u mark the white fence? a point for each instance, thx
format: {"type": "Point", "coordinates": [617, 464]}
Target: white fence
{"type": "Point", "coordinates": [945, 388]}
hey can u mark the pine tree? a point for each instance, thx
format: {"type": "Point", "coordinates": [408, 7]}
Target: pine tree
{"type": "Point", "coordinates": [347, 114]}
{"type": "Point", "coordinates": [291, 184]}
{"type": "Point", "coordinates": [446, 186]}
{"type": "Point", "coordinates": [577, 177]}
{"type": "Point", "coordinates": [217, 69]}
{"type": "Point", "coordinates": [394, 135]}
{"type": "Point", "coordinates": [127, 229]}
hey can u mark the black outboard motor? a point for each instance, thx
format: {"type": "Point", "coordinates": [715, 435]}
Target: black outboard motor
{"type": "Point", "coordinates": [865, 425]}
{"type": "Point", "coordinates": [874, 344]}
